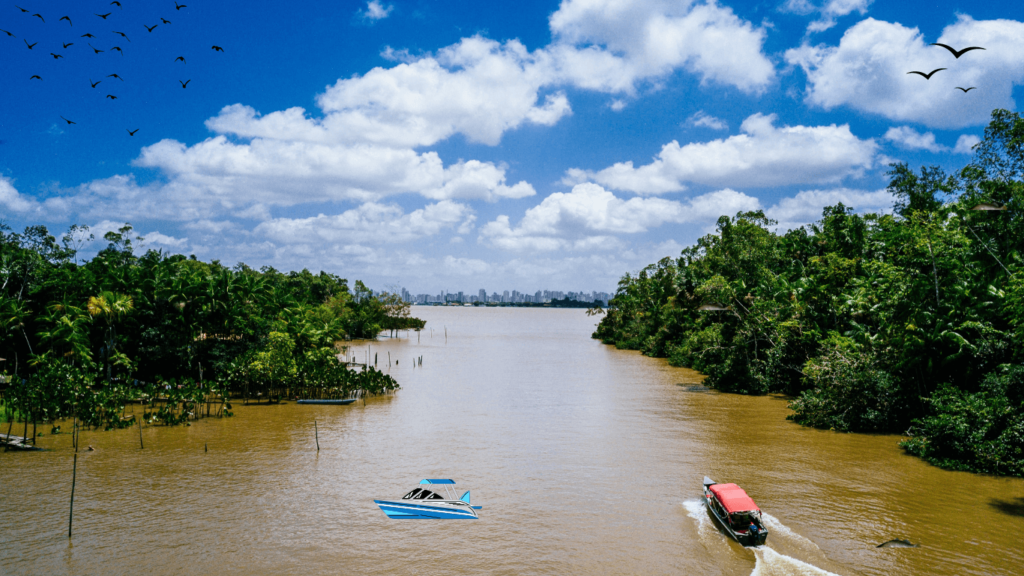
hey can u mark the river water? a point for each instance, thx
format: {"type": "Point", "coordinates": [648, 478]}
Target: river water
{"type": "Point", "coordinates": [586, 459]}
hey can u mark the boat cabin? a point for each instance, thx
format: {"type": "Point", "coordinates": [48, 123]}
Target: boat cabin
{"type": "Point", "coordinates": [737, 512]}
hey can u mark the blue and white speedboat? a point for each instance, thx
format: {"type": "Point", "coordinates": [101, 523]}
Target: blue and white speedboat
{"type": "Point", "coordinates": [426, 503]}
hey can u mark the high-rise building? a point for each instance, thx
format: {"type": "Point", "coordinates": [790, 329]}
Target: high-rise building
{"type": "Point", "coordinates": [482, 297]}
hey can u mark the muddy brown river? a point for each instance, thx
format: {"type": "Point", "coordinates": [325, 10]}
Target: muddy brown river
{"type": "Point", "coordinates": [586, 460]}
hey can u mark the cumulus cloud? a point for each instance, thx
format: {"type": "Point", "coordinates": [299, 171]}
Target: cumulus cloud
{"type": "Point", "coordinates": [829, 11]}
{"type": "Point", "coordinates": [589, 217]}
{"type": "Point", "coordinates": [965, 144]}
{"type": "Point", "coordinates": [910, 139]}
{"type": "Point", "coordinates": [763, 155]}
{"type": "Point", "coordinates": [806, 206]}
{"type": "Point", "coordinates": [376, 10]}
{"type": "Point", "coordinates": [609, 45]}
{"type": "Point", "coordinates": [867, 71]}
{"type": "Point", "coordinates": [699, 118]}
{"type": "Point", "coordinates": [372, 222]}
{"type": "Point", "coordinates": [465, 266]}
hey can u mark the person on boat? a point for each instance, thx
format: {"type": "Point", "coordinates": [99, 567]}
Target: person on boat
{"type": "Point", "coordinates": [754, 530]}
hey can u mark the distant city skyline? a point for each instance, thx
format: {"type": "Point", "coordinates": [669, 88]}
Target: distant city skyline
{"type": "Point", "coordinates": [504, 297]}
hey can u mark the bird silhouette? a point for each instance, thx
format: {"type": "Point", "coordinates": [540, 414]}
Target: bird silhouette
{"type": "Point", "coordinates": [118, 48]}
{"type": "Point", "coordinates": [185, 83]}
{"type": "Point", "coordinates": [122, 34]}
{"type": "Point", "coordinates": [957, 53]}
{"type": "Point", "coordinates": [20, 8]}
{"type": "Point", "coordinates": [927, 76]}
{"type": "Point", "coordinates": [115, 76]}
{"type": "Point", "coordinates": [182, 58]}
{"type": "Point", "coordinates": [30, 46]}
{"type": "Point", "coordinates": [94, 49]}
{"type": "Point", "coordinates": [966, 90]}
{"type": "Point", "coordinates": [131, 132]}
{"type": "Point", "coordinates": [115, 2]}
{"type": "Point", "coordinates": [66, 120]}
{"type": "Point", "coordinates": [217, 49]}
{"type": "Point", "coordinates": [8, 33]}
{"type": "Point", "coordinates": [111, 97]}
{"type": "Point", "coordinates": [68, 44]}
{"type": "Point", "coordinates": [104, 16]}
{"type": "Point", "coordinates": [40, 17]}
{"type": "Point", "coordinates": [94, 83]}
{"type": "Point", "coordinates": [165, 21]}
{"type": "Point", "coordinates": [55, 56]}
{"type": "Point", "coordinates": [87, 35]}
{"type": "Point", "coordinates": [179, 6]}
{"type": "Point", "coordinates": [34, 77]}
{"type": "Point", "coordinates": [66, 18]}
{"type": "Point", "coordinates": [150, 28]}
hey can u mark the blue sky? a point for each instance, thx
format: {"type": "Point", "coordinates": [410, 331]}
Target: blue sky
{"type": "Point", "coordinates": [466, 145]}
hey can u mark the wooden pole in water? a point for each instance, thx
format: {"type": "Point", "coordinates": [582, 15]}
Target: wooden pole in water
{"type": "Point", "coordinates": [389, 358]}
{"type": "Point", "coordinates": [141, 447]}
{"type": "Point", "coordinates": [317, 433]}
{"type": "Point", "coordinates": [206, 447]}
{"type": "Point", "coordinates": [71, 510]}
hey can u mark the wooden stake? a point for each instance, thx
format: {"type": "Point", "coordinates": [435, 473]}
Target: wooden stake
{"type": "Point", "coordinates": [71, 510]}
{"type": "Point", "coordinates": [317, 433]}
{"type": "Point", "coordinates": [206, 447]}
{"type": "Point", "coordinates": [141, 447]}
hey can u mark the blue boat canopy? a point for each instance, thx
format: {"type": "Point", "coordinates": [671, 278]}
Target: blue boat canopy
{"type": "Point", "coordinates": [436, 481]}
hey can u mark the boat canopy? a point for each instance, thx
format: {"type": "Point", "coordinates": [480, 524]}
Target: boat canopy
{"type": "Point", "coordinates": [733, 498]}
{"type": "Point", "coordinates": [436, 481]}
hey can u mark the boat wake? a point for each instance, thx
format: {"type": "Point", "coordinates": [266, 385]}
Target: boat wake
{"type": "Point", "coordinates": [768, 562]}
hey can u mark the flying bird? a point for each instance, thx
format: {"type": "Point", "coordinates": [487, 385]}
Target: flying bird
{"type": "Point", "coordinates": [957, 53]}
{"type": "Point", "coordinates": [94, 83]}
{"type": "Point", "coordinates": [104, 16]}
{"type": "Point", "coordinates": [150, 28]}
{"type": "Point", "coordinates": [66, 120]}
{"type": "Point", "coordinates": [68, 44]}
{"type": "Point", "coordinates": [117, 3]}
{"type": "Point", "coordinates": [122, 34]}
{"type": "Point", "coordinates": [40, 17]}
{"type": "Point", "coordinates": [179, 6]}
{"type": "Point", "coordinates": [34, 77]}
{"type": "Point", "coordinates": [55, 56]}
{"type": "Point", "coordinates": [30, 46]}
{"type": "Point", "coordinates": [165, 21]}
{"type": "Point", "coordinates": [20, 8]}
{"type": "Point", "coordinates": [8, 33]}
{"type": "Point", "coordinates": [185, 83]}
{"type": "Point", "coordinates": [118, 48]}
{"type": "Point", "coordinates": [87, 35]}
{"type": "Point", "coordinates": [927, 76]}
{"type": "Point", "coordinates": [217, 49]}
{"type": "Point", "coordinates": [111, 97]}
{"type": "Point", "coordinates": [94, 49]}
{"type": "Point", "coordinates": [182, 58]}
{"type": "Point", "coordinates": [115, 76]}
{"type": "Point", "coordinates": [966, 90]}
{"type": "Point", "coordinates": [131, 132]}
{"type": "Point", "coordinates": [66, 18]}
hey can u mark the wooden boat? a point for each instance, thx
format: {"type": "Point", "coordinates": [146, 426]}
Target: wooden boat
{"type": "Point", "coordinates": [339, 402]}
{"type": "Point", "coordinates": [735, 512]}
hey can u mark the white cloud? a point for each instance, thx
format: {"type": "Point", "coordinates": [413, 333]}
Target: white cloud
{"type": "Point", "coordinates": [868, 71]}
{"type": "Point", "coordinates": [965, 144]}
{"type": "Point", "coordinates": [609, 45]}
{"type": "Point", "coordinates": [375, 10]}
{"type": "Point", "coordinates": [15, 201]}
{"type": "Point", "coordinates": [156, 237]}
{"type": "Point", "coordinates": [699, 118]}
{"type": "Point", "coordinates": [764, 155]}
{"type": "Point", "coordinates": [807, 205]}
{"type": "Point", "coordinates": [372, 223]}
{"type": "Point", "coordinates": [478, 180]}
{"type": "Point", "coordinates": [589, 216]}
{"type": "Point", "coordinates": [465, 266]}
{"type": "Point", "coordinates": [829, 11]}
{"type": "Point", "coordinates": [910, 139]}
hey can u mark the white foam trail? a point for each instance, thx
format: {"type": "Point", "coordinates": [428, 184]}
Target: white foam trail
{"type": "Point", "coordinates": [771, 563]}
{"type": "Point", "coordinates": [775, 528]}
{"type": "Point", "coordinates": [706, 530]}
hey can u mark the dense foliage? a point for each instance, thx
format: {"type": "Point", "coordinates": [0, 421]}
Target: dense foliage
{"type": "Point", "coordinates": [911, 321]}
{"type": "Point", "coordinates": [84, 337]}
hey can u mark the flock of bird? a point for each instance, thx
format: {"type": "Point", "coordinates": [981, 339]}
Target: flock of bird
{"type": "Point", "coordinates": [956, 54]}
{"type": "Point", "coordinates": [90, 38]}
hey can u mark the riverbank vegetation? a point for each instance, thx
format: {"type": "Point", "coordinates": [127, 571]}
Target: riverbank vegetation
{"type": "Point", "coordinates": [909, 322]}
{"type": "Point", "coordinates": [81, 338]}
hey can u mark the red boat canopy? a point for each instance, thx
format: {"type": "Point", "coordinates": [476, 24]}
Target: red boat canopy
{"type": "Point", "coordinates": [733, 498]}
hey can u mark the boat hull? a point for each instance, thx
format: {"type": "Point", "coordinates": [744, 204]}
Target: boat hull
{"type": "Point", "coordinates": [419, 510]}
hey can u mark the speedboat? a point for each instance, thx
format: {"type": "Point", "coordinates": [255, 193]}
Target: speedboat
{"type": "Point", "coordinates": [427, 503]}
{"type": "Point", "coordinates": [736, 512]}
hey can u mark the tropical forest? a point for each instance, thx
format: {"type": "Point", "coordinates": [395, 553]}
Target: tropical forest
{"type": "Point", "coordinates": [909, 322]}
